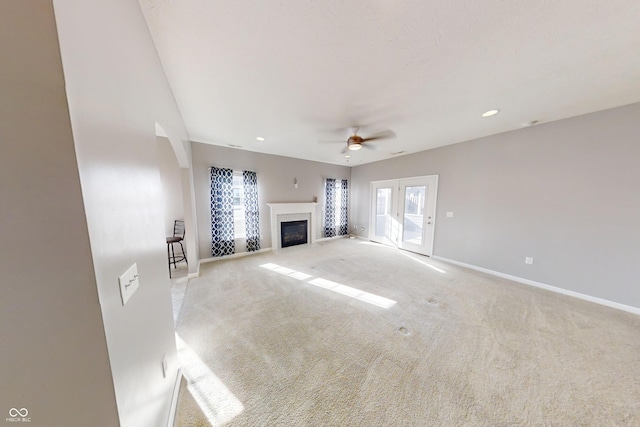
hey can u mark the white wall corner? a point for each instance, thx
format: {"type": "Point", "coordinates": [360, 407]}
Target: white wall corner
{"type": "Point", "coordinates": [174, 399]}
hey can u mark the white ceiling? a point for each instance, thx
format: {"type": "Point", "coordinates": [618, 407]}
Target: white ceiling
{"type": "Point", "coordinates": [299, 71]}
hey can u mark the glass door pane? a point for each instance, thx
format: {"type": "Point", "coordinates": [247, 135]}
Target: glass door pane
{"type": "Point", "coordinates": [402, 213]}
{"type": "Point", "coordinates": [383, 212]}
{"type": "Point", "coordinates": [413, 221]}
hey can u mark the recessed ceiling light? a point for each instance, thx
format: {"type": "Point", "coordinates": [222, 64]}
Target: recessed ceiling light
{"type": "Point", "coordinates": [347, 155]}
{"type": "Point", "coordinates": [260, 138]}
{"type": "Point", "coordinates": [490, 113]}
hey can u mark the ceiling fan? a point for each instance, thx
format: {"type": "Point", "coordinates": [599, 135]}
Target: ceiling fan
{"type": "Point", "coordinates": [356, 142]}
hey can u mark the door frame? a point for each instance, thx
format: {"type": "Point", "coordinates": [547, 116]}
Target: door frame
{"type": "Point", "coordinates": [387, 183]}
{"type": "Point", "coordinates": [396, 184]}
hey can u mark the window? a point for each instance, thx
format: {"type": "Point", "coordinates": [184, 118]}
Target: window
{"type": "Point", "coordinates": [239, 227]}
{"type": "Point", "coordinates": [234, 211]}
{"type": "Point", "coordinates": [338, 200]}
{"type": "Point", "coordinates": [336, 205]}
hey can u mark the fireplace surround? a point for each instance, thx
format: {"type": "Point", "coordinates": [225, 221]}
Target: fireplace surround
{"type": "Point", "coordinates": [287, 212]}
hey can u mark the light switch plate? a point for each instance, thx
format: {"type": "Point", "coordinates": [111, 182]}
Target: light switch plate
{"type": "Point", "coordinates": [449, 214]}
{"type": "Point", "coordinates": [129, 283]}
{"type": "Point", "coordinates": [528, 260]}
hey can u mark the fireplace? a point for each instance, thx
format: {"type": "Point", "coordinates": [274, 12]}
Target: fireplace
{"type": "Point", "coordinates": [291, 212]}
{"type": "Point", "coordinates": [293, 233]}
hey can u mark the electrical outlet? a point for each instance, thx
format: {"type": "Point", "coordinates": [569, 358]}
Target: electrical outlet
{"type": "Point", "coordinates": [362, 228]}
{"type": "Point", "coordinates": [528, 260]}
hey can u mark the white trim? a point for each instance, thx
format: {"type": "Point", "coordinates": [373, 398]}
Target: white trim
{"type": "Point", "coordinates": [324, 239]}
{"type": "Point", "coordinates": [372, 200]}
{"type": "Point", "coordinates": [225, 257]}
{"type": "Point", "coordinates": [174, 399]}
{"type": "Point", "coordinates": [196, 273]}
{"type": "Point", "coordinates": [435, 212]}
{"type": "Point", "coordinates": [243, 254]}
{"type": "Point", "coordinates": [398, 206]}
{"type": "Point", "coordinates": [276, 209]}
{"type": "Point", "coordinates": [601, 301]}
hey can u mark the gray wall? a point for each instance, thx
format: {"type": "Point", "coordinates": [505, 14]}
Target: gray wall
{"type": "Point", "coordinates": [54, 359]}
{"type": "Point", "coordinates": [117, 91]}
{"type": "Point", "coordinates": [171, 185]}
{"type": "Point", "coordinates": [275, 184]}
{"type": "Point", "coordinates": [565, 193]}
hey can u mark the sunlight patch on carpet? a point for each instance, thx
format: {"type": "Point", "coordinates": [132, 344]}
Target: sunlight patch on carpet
{"type": "Point", "coordinates": [439, 270]}
{"type": "Point", "coordinates": [333, 286]}
{"type": "Point", "coordinates": [216, 401]}
{"type": "Point", "coordinates": [407, 254]}
{"type": "Point", "coordinates": [353, 293]}
{"type": "Point", "coordinates": [286, 271]}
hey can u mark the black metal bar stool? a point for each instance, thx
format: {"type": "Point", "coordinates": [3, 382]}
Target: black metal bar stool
{"type": "Point", "coordinates": [178, 237]}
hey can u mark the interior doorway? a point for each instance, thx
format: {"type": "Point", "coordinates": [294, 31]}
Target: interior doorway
{"type": "Point", "coordinates": [403, 213]}
{"type": "Point", "coordinates": [173, 202]}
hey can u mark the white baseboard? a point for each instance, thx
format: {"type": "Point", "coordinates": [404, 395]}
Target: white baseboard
{"type": "Point", "coordinates": [325, 239]}
{"type": "Point", "coordinates": [242, 254]}
{"type": "Point", "coordinates": [174, 399]}
{"type": "Point", "coordinates": [601, 301]}
{"type": "Point", "coordinates": [196, 274]}
{"type": "Point", "coordinates": [225, 257]}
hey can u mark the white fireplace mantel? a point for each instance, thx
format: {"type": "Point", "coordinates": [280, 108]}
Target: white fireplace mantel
{"type": "Point", "coordinates": [309, 208]}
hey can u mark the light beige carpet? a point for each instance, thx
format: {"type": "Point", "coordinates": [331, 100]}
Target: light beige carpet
{"type": "Point", "coordinates": [266, 347]}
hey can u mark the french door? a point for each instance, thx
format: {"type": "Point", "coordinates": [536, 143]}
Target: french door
{"type": "Point", "coordinates": [403, 213]}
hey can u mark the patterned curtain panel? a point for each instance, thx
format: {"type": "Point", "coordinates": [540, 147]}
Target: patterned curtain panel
{"type": "Point", "coordinates": [343, 225]}
{"type": "Point", "coordinates": [330, 208]}
{"type": "Point", "coordinates": [222, 238]}
{"type": "Point", "coordinates": [251, 213]}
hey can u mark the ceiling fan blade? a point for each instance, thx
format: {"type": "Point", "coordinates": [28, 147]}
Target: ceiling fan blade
{"type": "Point", "coordinates": [371, 147]}
{"type": "Point", "coordinates": [387, 134]}
{"type": "Point", "coordinates": [344, 150]}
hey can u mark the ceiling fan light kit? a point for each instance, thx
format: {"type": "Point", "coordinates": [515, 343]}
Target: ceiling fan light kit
{"type": "Point", "coordinates": [356, 142]}
{"type": "Point", "coordinates": [490, 113]}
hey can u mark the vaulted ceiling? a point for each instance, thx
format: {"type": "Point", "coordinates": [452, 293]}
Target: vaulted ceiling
{"type": "Point", "coordinates": [297, 72]}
